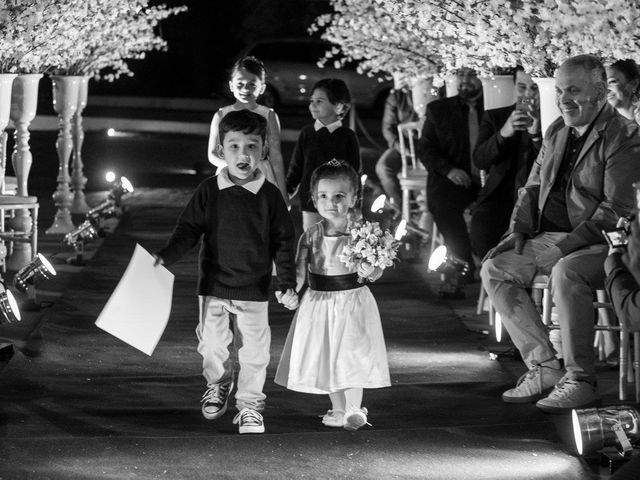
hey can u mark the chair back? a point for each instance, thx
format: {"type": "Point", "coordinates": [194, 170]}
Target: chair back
{"type": "Point", "coordinates": [408, 133]}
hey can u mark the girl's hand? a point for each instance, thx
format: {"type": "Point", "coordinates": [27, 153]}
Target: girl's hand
{"type": "Point", "coordinates": [369, 272]}
{"type": "Point", "coordinates": [289, 299]}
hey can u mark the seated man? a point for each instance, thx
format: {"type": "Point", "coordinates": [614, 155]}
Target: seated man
{"type": "Point", "coordinates": [397, 109]}
{"type": "Point", "coordinates": [448, 138]}
{"type": "Point", "coordinates": [508, 142]}
{"type": "Point", "coordinates": [579, 185]}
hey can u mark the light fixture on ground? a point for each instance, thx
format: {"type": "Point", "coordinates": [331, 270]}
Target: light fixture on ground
{"type": "Point", "coordinates": [447, 264]}
{"type": "Point", "coordinates": [77, 239]}
{"type": "Point", "coordinates": [380, 203]}
{"type": "Point", "coordinates": [614, 426]}
{"type": "Point", "coordinates": [453, 272]}
{"type": "Point", "coordinates": [108, 207]}
{"type": "Point", "coordinates": [8, 306]}
{"type": "Point", "coordinates": [404, 227]}
{"type": "Point", "coordinates": [31, 275]}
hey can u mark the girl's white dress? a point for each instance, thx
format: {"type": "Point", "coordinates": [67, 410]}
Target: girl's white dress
{"type": "Point", "coordinates": [335, 341]}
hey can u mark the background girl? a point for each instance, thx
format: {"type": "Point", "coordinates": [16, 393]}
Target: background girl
{"type": "Point", "coordinates": [318, 143]}
{"type": "Point", "coordinates": [247, 83]}
{"type": "Point", "coordinates": [335, 345]}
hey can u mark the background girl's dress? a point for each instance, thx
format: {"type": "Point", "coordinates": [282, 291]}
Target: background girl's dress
{"type": "Point", "coordinates": [272, 166]}
{"type": "Point", "coordinates": [335, 340]}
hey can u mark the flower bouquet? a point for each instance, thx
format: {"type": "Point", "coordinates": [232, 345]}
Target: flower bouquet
{"type": "Point", "coordinates": [370, 250]}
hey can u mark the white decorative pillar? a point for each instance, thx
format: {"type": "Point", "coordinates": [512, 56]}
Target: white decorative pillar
{"type": "Point", "coordinates": [498, 91]}
{"type": "Point", "coordinates": [24, 103]}
{"type": "Point", "coordinates": [78, 180]}
{"type": "Point", "coordinates": [65, 103]}
{"type": "Point", "coordinates": [548, 109]}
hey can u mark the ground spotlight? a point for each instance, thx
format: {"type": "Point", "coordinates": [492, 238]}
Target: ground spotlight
{"type": "Point", "coordinates": [596, 428]}
{"type": "Point", "coordinates": [84, 233]}
{"type": "Point", "coordinates": [39, 269]}
{"type": "Point", "coordinates": [380, 203]}
{"type": "Point", "coordinates": [110, 206]}
{"type": "Point", "coordinates": [404, 227]}
{"type": "Point", "coordinates": [120, 188]}
{"type": "Point", "coordinates": [447, 264]}
{"type": "Point", "coordinates": [8, 306]}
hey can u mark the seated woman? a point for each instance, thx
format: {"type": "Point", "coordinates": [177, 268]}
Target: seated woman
{"type": "Point", "coordinates": [623, 80]}
{"type": "Point", "coordinates": [623, 279]}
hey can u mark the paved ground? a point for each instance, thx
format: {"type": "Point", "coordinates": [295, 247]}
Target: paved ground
{"type": "Point", "coordinates": [80, 404]}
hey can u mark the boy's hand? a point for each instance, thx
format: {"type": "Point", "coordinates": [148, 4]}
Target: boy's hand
{"type": "Point", "coordinates": [158, 260]}
{"type": "Point", "coordinates": [289, 299]}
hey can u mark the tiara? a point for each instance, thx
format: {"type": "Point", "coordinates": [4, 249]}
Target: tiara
{"type": "Point", "coordinates": [334, 163]}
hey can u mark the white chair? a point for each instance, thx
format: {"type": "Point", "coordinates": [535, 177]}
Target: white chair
{"type": "Point", "coordinates": [10, 202]}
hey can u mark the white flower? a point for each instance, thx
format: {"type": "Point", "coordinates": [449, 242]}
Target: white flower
{"type": "Point", "coordinates": [369, 243]}
{"type": "Point", "coordinates": [78, 37]}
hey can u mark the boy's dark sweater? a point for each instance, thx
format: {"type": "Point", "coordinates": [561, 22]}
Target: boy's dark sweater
{"type": "Point", "coordinates": [315, 148]}
{"type": "Point", "coordinates": [242, 234]}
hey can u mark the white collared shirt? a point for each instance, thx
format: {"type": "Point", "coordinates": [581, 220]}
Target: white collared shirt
{"type": "Point", "coordinates": [224, 181]}
{"type": "Point", "coordinates": [331, 127]}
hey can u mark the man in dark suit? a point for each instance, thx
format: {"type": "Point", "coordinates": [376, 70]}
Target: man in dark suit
{"type": "Point", "coordinates": [447, 141]}
{"type": "Point", "coordinates": [509, 140]}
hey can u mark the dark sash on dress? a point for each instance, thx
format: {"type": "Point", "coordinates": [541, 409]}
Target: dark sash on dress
{"type": "Point", "coordinates": [333, 283]}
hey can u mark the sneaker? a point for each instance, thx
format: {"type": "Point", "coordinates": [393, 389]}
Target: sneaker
{"type": "Point", "coordinates": [355, 418]}
{"type": "Point", "coordinates": [534, 384]}
{"type": "Point", "coordinates": [570, 394]}
{"type": "Point", "coordinates": [333, 418]}
{"type": "Point", "coordinates": [249, 421]}
{"type": "Point", "coordinates": [214, 401]}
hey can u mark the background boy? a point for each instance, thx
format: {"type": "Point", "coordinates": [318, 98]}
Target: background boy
{"type": "Point", "coordinates": [245, 226]}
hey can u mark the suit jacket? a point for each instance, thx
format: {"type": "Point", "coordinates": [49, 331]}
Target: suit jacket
{"type": "Point", "coordinates": [600, 188]}
{"type": "Point", "coordinates": [444, 142]}
{"type": "Point", "coordinates": [500, 156]}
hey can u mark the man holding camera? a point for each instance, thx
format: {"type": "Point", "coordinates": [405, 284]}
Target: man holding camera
{"type": "Point", "coordinates": [509, 140]}
{"type": "Point", "coordinates": [579, 185]}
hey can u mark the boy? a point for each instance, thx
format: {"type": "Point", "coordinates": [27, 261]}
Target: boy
{"type": "Point", "coordinates": [245, 227]}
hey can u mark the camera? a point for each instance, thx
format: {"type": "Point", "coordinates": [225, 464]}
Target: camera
{"type": "Point", "coordinates": [617, 237]}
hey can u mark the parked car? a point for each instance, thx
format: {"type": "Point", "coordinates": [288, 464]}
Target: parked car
{"type": "Point", "coordinates": [292, 70]}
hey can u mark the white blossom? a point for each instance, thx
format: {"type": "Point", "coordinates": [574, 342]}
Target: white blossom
{"type": "Point", "coordinates": [78, 37]}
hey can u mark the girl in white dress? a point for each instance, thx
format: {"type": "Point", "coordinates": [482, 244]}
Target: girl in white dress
{"type": "Point", "coordinates": [335, 345]}
{"type": "Point", "coordinates": [247, 83]}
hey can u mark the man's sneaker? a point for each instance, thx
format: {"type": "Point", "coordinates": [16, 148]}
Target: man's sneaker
{"type": "Point", "coordinates": [355, 418]}
{"type": "Point", "coordinates": [249, 421]}
{"type": "Point", "coordinates": [570, 394]}
{"type": "Point", "coordinates": [534, 384]}
{"type": "Point", "coordinates": [214, 401]}
{"type": "Point", "coordinates": [333, 418]}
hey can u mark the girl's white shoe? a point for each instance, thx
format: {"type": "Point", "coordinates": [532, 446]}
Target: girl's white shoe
{"type": "Point", "coordinates": [333, 418]}
{"type": "Point", "coordinates": [355, 418]}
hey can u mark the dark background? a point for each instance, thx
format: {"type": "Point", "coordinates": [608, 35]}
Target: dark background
{"type": "Point", "coordinates": [204, 41]}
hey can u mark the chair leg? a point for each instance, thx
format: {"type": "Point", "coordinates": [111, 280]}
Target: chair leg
{"type": "Point", "coordinates": [481, 298]}
{"type": "Point", "coordinates": [624, 358]}
{"type": "Point", "coordinates": [636, 363]}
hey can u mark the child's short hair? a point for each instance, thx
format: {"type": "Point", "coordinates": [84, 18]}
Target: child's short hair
{"type": "Point", "coordinates": [252, 65]}
{"type": "Point", "coordinates": [335, 169]}
{"type": "Point", "coordinates": [337, 92]}
{"type": "Point", "coordinates": [243, 121]}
